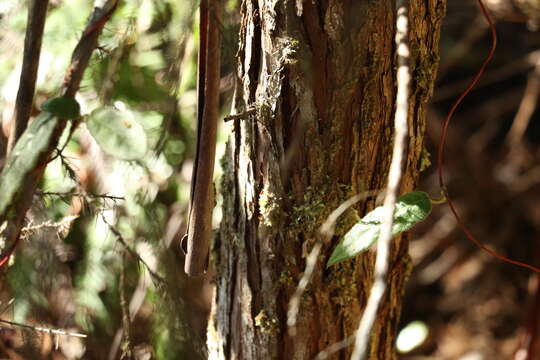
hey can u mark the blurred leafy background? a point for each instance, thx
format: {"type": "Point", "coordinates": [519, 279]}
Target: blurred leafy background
{"type": "Point", "coordinates": [76, 272]}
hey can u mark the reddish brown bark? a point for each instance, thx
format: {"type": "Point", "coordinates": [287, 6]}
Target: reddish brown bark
{"type": "Point", "coordinates": [321, 78]}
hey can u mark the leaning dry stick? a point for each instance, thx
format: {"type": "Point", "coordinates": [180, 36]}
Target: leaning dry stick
{"type": "Point", "coordinates": [394, 178]}
{"type": "Point", "coordinates": [197, 240]}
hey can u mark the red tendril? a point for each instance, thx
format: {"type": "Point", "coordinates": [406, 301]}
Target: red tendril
{"type": "Point", "coordinates": [440, 155]}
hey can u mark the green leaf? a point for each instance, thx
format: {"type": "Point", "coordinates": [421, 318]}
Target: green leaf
{"type": "Point", "coordinates": [63, 107]}
{"type": "Point", "coordinates": [29, 150]}
{"type": "Point", "coordinates": [411, 208]}
{"type": "Point", "coordinates": [118, 133]}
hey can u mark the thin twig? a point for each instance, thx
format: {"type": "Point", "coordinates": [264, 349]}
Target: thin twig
{"type": "Point", "coordinates": [37, 13]}
{"type": "Point", "coordinates": [74, 125]}
{"type": "Point", "coordinates": [127, 351]}
{"type": "Point", "coordinates": [132, 252]}
{"type": "Point", "coordinates": [345, 343]}
{"type": "Point", "coordinates": [45, 330]}
{"type": "Point", "coordinates": [472, 35]}
{"type": "Point", "coordinates": [440, 153]}
{"type": "Point", "coordinates": [3, 310]}
{"type": "Point", "coordinates": [61, 225]}
{"type": "Point", "coordinates": [83, 195]}
{"type": "Point", "coordinates": [526, 109]}
{"type": "Point", "coordinates": [294, 304]}
{"type": "Point", "coordinates": [137, 299]}
{"type": "Point", "coordinates": [394, 179]}
{"type": "Point", "coordinates": [240, 116]}
{"type": "Point", "coordinates": [491, 77]}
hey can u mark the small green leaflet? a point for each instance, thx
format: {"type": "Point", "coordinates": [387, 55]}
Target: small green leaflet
{"type": "Point", "coordinates": [411, 208]}
{"type": "Point", "coordinates": [63, 107]}
{"type": "Point", "coordinates": [118, 133]}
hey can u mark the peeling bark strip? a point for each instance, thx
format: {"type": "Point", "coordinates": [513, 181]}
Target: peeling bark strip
{"type": "Point", "coordinates": [322, 84]}
{"type": "Point", "coordinates": [199, 230]}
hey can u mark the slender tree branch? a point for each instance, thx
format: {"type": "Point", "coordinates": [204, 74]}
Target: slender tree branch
{"type": "Point", "coordinates": [87, 44]}
{"type": "Point", "coordinates": [83, 195]}
{"type": "Point", "coordinates": [45, 330]}
{"type": "Point", "coordinates": [127, 346]}
{"type": "Point", "coordinates": [37, 13]}
{"type": "Point", "coordinates": [135, 304]}
{"type": "Point", "coordinates": [394, 179]}
{"type": "Point", "coordinates": [11, 221]}
{"type": "Point", "coordinates": [132, 252]}
{"type": "Point", "coordinates": [61, 226]}
{"type": "Point", "coordinates": [294, 304]}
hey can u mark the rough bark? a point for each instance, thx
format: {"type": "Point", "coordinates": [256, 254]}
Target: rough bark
{"type": "Point", "coordinates": [320, 75]}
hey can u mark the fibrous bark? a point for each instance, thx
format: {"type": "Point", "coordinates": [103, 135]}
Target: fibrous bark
{"type": "Point", "coordinates": [320, 76]}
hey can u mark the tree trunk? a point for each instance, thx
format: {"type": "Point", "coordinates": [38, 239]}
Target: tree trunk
{"type": "Point", "coordinates": [320, 76]}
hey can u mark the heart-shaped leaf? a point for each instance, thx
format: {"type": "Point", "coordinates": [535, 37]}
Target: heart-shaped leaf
{"type": "Point", "coordinates": [411, 208]}
{"type": "Point", "coordinates": [118, 133]}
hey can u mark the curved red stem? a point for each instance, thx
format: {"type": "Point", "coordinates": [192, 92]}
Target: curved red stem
{"type": "Point", "coordinates": [440, 154]}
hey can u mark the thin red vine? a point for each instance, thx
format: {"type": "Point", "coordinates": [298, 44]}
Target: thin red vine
{"type": "Point", "coordinates": [440, 155]}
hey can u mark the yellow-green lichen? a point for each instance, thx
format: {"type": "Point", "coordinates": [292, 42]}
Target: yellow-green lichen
{"type": "Point", "coordinates": [344, 284]}
{"type": "Point", "coordinates": [266, 323]}
{"type": "Point", "coordinates": [425, 159]}
{"type": "Point", "coordinates": [424, 72]}
{"type": "Point", "coordinates": [307, 216]}
{"type": "Point", "coordinates": [270, 209]}
{"type": "Point", "coordinates": [286, 278]}
{"type": "Point", "coordinates": [318, 204]}
{"type": "Point", "coordinates": [346, 221]}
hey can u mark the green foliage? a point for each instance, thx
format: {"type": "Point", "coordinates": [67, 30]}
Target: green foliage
{"type": "Point", "coordinates": [118, 133]}
{"type": "Point", "coordinates": [95, 276]}
{"type": "Point", "coordinates": [24, 157]}
{"type": "Point", "coordinates": [411, 208]}
{"type": "Point", "coordinates": [138, 100]}
{"type": "Point", "coordinates": [63, 107]}
{"type": "Point", "coordinates": [29, 149]}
